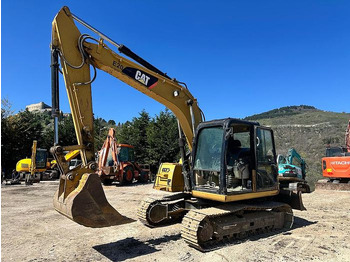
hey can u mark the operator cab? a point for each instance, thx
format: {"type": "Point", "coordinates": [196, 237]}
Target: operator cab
{"type": "Point", "coordinates": [41, 158]}
{"type": "Point", "coordinates": [336, 152]}
{"type": "Point", "coordinates": [233, 156]}
{"type": "Point", "coordinates": [126, 153]}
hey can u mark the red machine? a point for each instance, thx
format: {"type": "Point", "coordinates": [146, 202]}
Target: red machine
{"type": "Point", "coordinates": [116, 162]}
{"type": "Point", "coordinates": [347, 138]}
{"type": "Point", "coordinates": [336, 164]}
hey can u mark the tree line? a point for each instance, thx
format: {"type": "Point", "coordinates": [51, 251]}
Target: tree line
{"type": "Point", "coordinates": [155, 138]}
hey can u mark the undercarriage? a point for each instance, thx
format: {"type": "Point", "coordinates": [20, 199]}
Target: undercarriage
{"type": "Point", "coordinates": [207, 225]}
{"type": "Point", "coordinates": [333, 184]}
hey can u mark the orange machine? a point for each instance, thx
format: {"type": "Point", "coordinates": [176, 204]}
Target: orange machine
{"type": "Point", "coordinates": [116, 162]}
{"type": "Point", "coordinates": [336, 164]}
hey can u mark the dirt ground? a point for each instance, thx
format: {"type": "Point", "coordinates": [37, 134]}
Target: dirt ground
{"type": "Point", "coordinates": [31, 230]}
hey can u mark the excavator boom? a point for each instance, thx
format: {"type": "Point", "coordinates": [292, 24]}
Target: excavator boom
{"type": "Point", "coordinates": [80, 195]}
{"type": "Point", "coordinates": [108, 145]}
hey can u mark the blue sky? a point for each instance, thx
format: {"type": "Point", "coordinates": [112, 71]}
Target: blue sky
{"type": "Point", "coordinates": [238, 58]}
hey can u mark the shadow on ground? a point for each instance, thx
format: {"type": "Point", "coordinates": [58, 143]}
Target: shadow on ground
{"type": "Point", "coordinates": [301, 222]}
{"type": "Point", "coordinates": [132, 184]}
{"type": "Point", "coordinates": [131, 248]}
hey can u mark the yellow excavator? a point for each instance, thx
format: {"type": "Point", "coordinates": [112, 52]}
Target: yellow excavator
{"type": "Point", "coordinates": [42, 168]}
{"type": "Point", "coordinates": [29, 172]}
{"type": "Point", "coordinates": [230, 186]}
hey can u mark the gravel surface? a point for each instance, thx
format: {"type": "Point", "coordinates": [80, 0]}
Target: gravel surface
{"type": "Point", "coordinates": [31, 230]}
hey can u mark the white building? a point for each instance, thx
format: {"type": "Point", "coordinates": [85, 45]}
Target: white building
{"type": "Point", "coordinates": [39, 107]}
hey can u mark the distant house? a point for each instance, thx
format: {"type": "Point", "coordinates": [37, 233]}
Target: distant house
{"type": "Point", "coordinates": [39, 107]}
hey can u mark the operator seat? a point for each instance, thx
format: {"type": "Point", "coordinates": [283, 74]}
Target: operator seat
{"type": "Point", "coordinates": [233, 151]}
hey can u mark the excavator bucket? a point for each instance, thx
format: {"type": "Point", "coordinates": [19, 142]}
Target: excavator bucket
{"type": "Point", "coordinates": [83, 200]}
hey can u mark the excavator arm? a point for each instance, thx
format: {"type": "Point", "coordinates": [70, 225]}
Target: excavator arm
{"type": "Point", "coordinates": [32, 168]}
{"type": "Point", "coordinates": [80, 195]}
{"type": "Point", "coordinates": [109, 144]}
{"type": "Point", "coordinates": [293, 154]}
{"type": "Point", "coordinates": [76, 56]}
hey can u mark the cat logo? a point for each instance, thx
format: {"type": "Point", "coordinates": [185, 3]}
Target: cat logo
{"type": "Point", "coordinates": [141, 77]}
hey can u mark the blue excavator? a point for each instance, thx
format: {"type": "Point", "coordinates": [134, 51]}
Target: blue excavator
{"type": "Point", "coordinates": [292, 171]}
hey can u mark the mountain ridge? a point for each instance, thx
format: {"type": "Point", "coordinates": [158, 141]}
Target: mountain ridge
{"type": "Point", "coordinates": [282, 111]}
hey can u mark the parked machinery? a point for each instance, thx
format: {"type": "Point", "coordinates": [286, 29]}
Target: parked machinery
{"type": "Point", "coordinates": [43, 169]}
{"type": "Point", "coordinates": [336, 166]}
{"type": "Point", "coordinates": [29, 172]}
{"type": "Point", "coordinates": [116, 162]}
{"type": "Point", "coordinates": [292, 171]}
{"type": "Point", "coordinates": [230, 177]}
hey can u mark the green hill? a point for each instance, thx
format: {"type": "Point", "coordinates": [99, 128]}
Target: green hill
{"type": "Point", "coordinates": [283, 112]}
{"type": "Point", "coordinates": [307, 129]}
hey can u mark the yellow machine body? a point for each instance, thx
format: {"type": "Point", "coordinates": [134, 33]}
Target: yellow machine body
{"type": "Point", "coordinates": [24, 165]}
{"type": "Point", "coordinates": [232, 198]}
{"type": "Point", "coordinates": [169, 178]}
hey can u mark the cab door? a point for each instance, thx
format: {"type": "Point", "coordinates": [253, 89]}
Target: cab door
{"type": "Point", "coordinates": [266, 166]}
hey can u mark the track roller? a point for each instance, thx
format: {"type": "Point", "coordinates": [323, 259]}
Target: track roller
{"type": "Point", "coordinates": [206, 229]}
